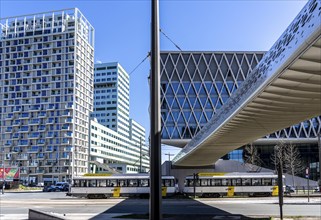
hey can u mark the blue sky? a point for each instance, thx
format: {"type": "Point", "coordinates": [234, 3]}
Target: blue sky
{"type": "Point", "coordinates": [122, 31]}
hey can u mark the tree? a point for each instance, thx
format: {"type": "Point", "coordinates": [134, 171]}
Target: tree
{"type": "Point", "coordinates": [292, 161]}
{"type": "Point", "coordinates": [278, 155]}
{"type": "Point", "coordinates": [251, 157]}
{"type": "Point", "coordinates": [289, 157]}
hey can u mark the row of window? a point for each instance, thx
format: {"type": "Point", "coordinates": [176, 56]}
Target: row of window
{"type": "Point", "coordinates": [120, 183]}
{"type": "Point", "coordinates": [232, 182]}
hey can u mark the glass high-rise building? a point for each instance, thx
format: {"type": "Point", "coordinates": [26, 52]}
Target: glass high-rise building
{"type": "Point", "coordinates": [194, 85]}
{"type": "Point", "coordinates": [46, 93]}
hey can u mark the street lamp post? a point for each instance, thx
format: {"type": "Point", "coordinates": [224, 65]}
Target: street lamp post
{"type": "Point", "coordinates": [155, 128]}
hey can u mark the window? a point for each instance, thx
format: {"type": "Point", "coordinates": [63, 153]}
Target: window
{"type": "Point", "coordinates": [256, 182]}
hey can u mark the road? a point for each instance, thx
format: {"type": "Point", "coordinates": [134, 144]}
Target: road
{"type": "Point", "coordinates": [16, 206]}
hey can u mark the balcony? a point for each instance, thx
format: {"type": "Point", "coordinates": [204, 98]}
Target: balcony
{"type": "Point", "coordinates": [51, 107]}
{"type": "Point", "coordinates": [41, 156]}
{"type": "Point", "coordinates": [32, 164]}
{"type": "Point", "coordinates": [69, 105]}
{"type": "Point", "coordinates": [41, 142]}
{"type": "Point", "coordinates": [49, 149]}
{"type": "Point", "coordinates": [15, 150]}
{"type": "Point", "coordinates": [50, 121]}
{"type": "Point", "coordinates": [68, 134]}
{"type": "Point", "coordinates": [9, 116]}
{"type": "Point", "coordinates": [15, 136]}
{"type": "Point", "coordinates": [34, 122]}
{"type": "Point", "coordinates": [42, 128]}
{"type": "Point", "coordinates": [42, 114]}
{"type": "Point", "coordinates": [23, 129]}
{"type": "Point", "coordinates": [24, 115]}
{"type": "Point", "coordinates": [68, 120]}
{"type": "Point", "coordinates": [66, 113]}
{"type": "Point", "coordinates": [23, 143]}
{"type": "Point", "coordinates": [17, 109]}
{"type": "Point", "coordinates": [50, 135]}
{"type": "Point", "coordinates": [49, 163]}
{"type": "Point", "coordinates": [40, 170]}
{"type": "Point", "coordinates": [33, 149]}
{"type": "Point", "coordinates": [8, 130]}
{"type": "Point", "coordinates": [17, 123]}
{"type": "Point", "coordinates": [35, 108]}
{"type": "Point", "coordinates": [66, 141]}
{"type": "Point", "coordinates": [22, 157]}
{"type": "Point", "coordinates": [8, 143]}
{"type": "Point", "coordinates": [65, 127]}
{"type": "Point", "coordinates": [34, 135]}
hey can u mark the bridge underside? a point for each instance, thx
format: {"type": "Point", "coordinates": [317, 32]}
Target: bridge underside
{"type": "Point", "coordinates": [288, 92]}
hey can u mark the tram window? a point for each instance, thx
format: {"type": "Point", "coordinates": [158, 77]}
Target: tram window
{"type": "Point", "coordinates": [122, 183]}
{"type": "Point", "coordinates": [205, 182]}
{"type": "Point", "coordinates": [274, 182]}
{"type": "Point", "coordinates": [166, 183]}
{"type": "Point", "coordinates": [111, 183]}
{"type": "Point", "coordinates": [256, 182]}
{"type": "Point", "coordinates": [236, 182]}
{"type": "Point", "coordinates": [225, 182]}
{"type": "Point", "coordinates": [143, 183]}
{"type": "Point", "coordinates": [217, 182]}
{"type": "Point", "coordinates": [246, 182]}
{"type": "Point", "coordinates": [101, 183]}
{"type": "Point", "coordinates": [76, 183]}
{"type": "Point", "coordinates": [82, 183]}
{"type": "Point", "coordinates": [92, 183]}
{"type": "Point", "coordinates": [267, 182]}
{"type": "Point", "coordinates": [133, 183]}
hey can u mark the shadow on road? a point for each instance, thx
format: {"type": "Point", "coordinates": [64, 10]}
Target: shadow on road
{"type": "Point", "coordinates": [179, 209]}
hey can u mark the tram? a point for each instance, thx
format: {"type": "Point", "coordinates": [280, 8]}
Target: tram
{"type": "Point", "coordinates": [118, 185]}
{"type": "Point", "coordinates": [231, 184]}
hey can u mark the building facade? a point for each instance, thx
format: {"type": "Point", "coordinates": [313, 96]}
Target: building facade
{"type": "Point", "coordinates": [113, 149]}
{"type": "Point", "coordinates": [111, 97]}
{"type": "Point", "coordinates": [46, 93]}
{"type": "Point", "coordinates": [194, 85]}
{"type": "Point", "coordinates": [116, 140]}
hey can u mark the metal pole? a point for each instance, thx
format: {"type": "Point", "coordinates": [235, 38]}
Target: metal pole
{"type": "Point", "coordinates": [319, 144]}
{"type": "Point", "coordinates": [194, 184]}
{"type": "Point", "coordinates": [280, 186]}
{"type": "Point", "coordinates": [169, 162]}
{"type": "Point", "coordinates": [140, 156]}
{"type": "Point", "coordinates": [155, 128]}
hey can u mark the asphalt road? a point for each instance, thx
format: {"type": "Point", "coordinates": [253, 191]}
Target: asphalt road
{"type": "Point", "coordinates": [16, 206]}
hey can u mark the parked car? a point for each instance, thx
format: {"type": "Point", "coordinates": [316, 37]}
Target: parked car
{"type": "Point", "coordinates": [59, 186]}
{"type": "Point", "coordinates": [317, 189]}
{"type": "Point", "coordinates": [51, 188]}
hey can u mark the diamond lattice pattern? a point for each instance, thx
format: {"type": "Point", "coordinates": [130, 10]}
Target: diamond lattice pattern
{"type": "Point", "coordinates": [194, 85]}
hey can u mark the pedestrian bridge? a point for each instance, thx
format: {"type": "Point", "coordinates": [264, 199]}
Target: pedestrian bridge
{"type": "Point", "coordinates": [283, 89]}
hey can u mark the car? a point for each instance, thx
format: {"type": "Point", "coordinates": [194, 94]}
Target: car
{"type": "Point", "coordinates": [317, 189]}
{"type": "Point", "coordinates": [62, 186]}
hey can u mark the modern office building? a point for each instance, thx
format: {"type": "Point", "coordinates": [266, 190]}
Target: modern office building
{"type": "Point", "coordinates": [194, 85]}
{"type": "Point", "coordinates": [116, 140]}
{"type": "Point", "coordinates": [46, 93]}
{"type": "Point", "coordinates": [111, 97]}
{"type": "Point", "coordinates": [113, 149]}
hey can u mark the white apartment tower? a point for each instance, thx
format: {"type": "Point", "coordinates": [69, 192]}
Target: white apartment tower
{"type": "Point", "coordinates": [46, 93]}
{"type": "Point", "coordinates": [111, 97]}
